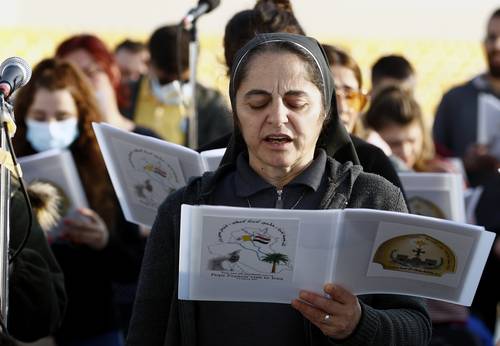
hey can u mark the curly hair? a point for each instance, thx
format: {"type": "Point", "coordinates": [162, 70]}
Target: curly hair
{"type": "Point", "coordinates": [52, 75]}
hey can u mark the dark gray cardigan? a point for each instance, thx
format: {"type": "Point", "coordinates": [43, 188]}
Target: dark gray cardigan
{"type": "Point", "coordinates": [159, 318]}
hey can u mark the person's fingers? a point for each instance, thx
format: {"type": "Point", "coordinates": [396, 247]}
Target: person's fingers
{"type": "Point", "coordinates": [85, 226]}
{"type": "Point", "coordinates": [339, 294]}
{"type": "Point", "coordinates": [85, 238]}
{"type": "Point", "coordinates": [308, 310]}
{"type": "Point", "coordinates": [73, 225]}
{"type": "Point", "coordinates": [313, 314]}
{"type": "Point", "coordinates": [95, 239]}
{"type": "Point", "coordinates": [349, 310]}
{"type": "Point", "coordinates": [337, 313]}
{"type": "Point", "coordinates": [319, 301]}
{"type": "Point", "coordinates": [85, 220]}
{"type": "Point", "coordinates": [91, 214]}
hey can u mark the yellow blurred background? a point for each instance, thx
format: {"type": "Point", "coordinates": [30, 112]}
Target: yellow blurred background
{"type": "Point", "coordinates": [440, 64]}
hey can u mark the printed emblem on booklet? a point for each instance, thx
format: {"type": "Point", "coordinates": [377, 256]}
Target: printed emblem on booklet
{"type": "Point", "coordinates": [416, 253]}
{"type": "Point", "coordinates": [250, 249]}
{"type": "Point", "coordinates": [425, 207]}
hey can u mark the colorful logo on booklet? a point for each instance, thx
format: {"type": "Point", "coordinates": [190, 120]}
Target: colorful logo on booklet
{"type": "Point", "coordinates": [416, 253]}
{"type": "Point", "coordinates": [250, 249]}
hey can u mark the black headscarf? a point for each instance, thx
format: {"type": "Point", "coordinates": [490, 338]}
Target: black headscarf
{"type": "Point", "coordinates": [334, 137]}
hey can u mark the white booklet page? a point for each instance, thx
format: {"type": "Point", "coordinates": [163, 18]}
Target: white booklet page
{"type": "Point", "coordinates": [488, 123]}
{"type": "Point", "coordinates": [268, 255]}
{"type": "Point", "coordinates": [58, 168]}
{"type": "Point", "coordinates": [145, 170]}
{"type": "Point", "coordinates": [438, 195]}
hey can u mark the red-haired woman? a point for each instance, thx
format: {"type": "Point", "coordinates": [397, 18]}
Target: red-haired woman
{"type": "Point", "coordinates": [91, 55]}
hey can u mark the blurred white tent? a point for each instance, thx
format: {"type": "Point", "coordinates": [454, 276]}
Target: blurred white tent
{"type": "Point", "coordinates": [441, 38]}
{"type": "Point", "coordinates": [446, 19]}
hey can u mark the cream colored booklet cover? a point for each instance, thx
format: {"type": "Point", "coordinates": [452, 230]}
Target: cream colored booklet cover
{"type": "Point", "coordinates": [438, 195]}
{"type": "Point", "coordinates": [58, 168]}
{"type": "Point", "coordinates": [488, 123]}
{"type": "Point", "coordinates": [145, 170]}
{"type": "Point", "coordinates": [268, 255]}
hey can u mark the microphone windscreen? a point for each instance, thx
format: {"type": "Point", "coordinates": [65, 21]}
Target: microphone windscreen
{"type": "Point", "coordinates": [23, 66]}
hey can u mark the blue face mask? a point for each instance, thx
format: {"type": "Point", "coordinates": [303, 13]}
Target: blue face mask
{"type": "Point", "coordinates": [45, 135]}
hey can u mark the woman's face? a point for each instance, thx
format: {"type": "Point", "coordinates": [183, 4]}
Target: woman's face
{"type": "Point", "coordinates": [280, 113]}
{"type": "Point", "coordinates": [86, 63]}
{"type": "Point", "coordinates": [406, 142]}
{"type": "Point", "coordinates": [52, 120]}
{"type": "Point", "coordinates": [132, 64]}
{"type": "Point", "coordinates": [103, 88]}
{"type": "Point", "coordinates": [52, 105]}
{"type": "Point", "coordinates": [348, 95]}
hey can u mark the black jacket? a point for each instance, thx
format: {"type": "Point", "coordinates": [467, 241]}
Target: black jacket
{"type": "Point", "coordinates": [161, 319]}
{"type": "Point", "coordinates": [37, 296]}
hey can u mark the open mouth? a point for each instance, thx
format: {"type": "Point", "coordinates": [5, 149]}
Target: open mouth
{"type": "Point", "coordinates": [278, 139]}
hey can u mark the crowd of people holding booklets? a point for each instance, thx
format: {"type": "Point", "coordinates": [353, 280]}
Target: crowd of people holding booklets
{"type": "Point", "coordinates": [299, 132]}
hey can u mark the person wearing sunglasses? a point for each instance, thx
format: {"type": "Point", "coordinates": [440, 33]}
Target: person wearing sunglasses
{"type": "Point", "coordinates": [348, 82]}
{"type": "Point", "coordinates": [351, 101]}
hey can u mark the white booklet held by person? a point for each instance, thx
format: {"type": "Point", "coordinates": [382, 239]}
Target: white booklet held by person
{"type": "Point", "coordinates": [438, 195]}
{"type": "Point", "coordinates": [58, 168]}
{"type": "Point", "coordinates": [145, 170]}
{"type": "Point", "coordinates": [488, 123]}
{"type": "Point", "coordinates": [268, 255]}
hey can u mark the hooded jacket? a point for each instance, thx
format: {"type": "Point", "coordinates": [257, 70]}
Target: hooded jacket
{"type": "Point", "coordinates": [159, 318]}
{"type": "Point", "coordinates": [37, 296]}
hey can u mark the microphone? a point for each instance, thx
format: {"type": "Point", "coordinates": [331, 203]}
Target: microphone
{"type": "Point", "coordinates": [14, 73]}
{"type": "Point", "coordinates": [204, 6]}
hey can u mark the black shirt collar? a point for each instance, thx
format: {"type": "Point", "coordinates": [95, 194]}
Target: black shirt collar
{"type": "Point", "coordinates": [249, 182]}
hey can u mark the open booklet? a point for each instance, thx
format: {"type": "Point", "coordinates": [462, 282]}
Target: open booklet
{"type": "Point", "coordinates": [145, 170]}
{"type": "Point", "coordinates": [58, 168]}
{"type": "Point", "coordinates": [438, 195]}
{"type": "Point", "coordinates": [268, 255]}
{"type": "Point", "coordinates": [488, 123]}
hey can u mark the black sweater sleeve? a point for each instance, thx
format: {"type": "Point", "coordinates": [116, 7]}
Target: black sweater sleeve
{"type": "Point", "coordinates": [375, 161]}
{"type": "Point", "coordinates": [37, 296]}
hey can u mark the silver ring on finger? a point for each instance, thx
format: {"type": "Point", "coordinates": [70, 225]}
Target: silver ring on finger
{"type": "Point", "coordinates": [327, 318]}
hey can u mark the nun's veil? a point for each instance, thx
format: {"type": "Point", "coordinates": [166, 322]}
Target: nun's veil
{"type": "Point", "coordinates": [334, 137]}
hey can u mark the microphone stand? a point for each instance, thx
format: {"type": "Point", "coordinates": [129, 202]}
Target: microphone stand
{"type": "Point", "coordinates": [193, 63]}
{"type": "Point", "coordinates": [5, 117]}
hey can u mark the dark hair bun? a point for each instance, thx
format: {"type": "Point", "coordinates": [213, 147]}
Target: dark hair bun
{"type": "Point", "coordinates": [277, 16]}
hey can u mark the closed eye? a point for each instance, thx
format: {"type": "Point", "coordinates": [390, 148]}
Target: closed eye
{"type": "Point", "coordinates": [258, 104]}
{"type": "Point", "coordinates": [296, 104]}
{"type": "Point", "coordinates": [258, 100]}
{"type": "Point", "coordinates": [296, 101]}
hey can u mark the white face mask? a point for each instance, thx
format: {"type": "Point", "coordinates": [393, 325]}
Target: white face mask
{"type": "Point", "coordinates": [45, 135]}
{"type": "Point", "coordinates": [174, 93]}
